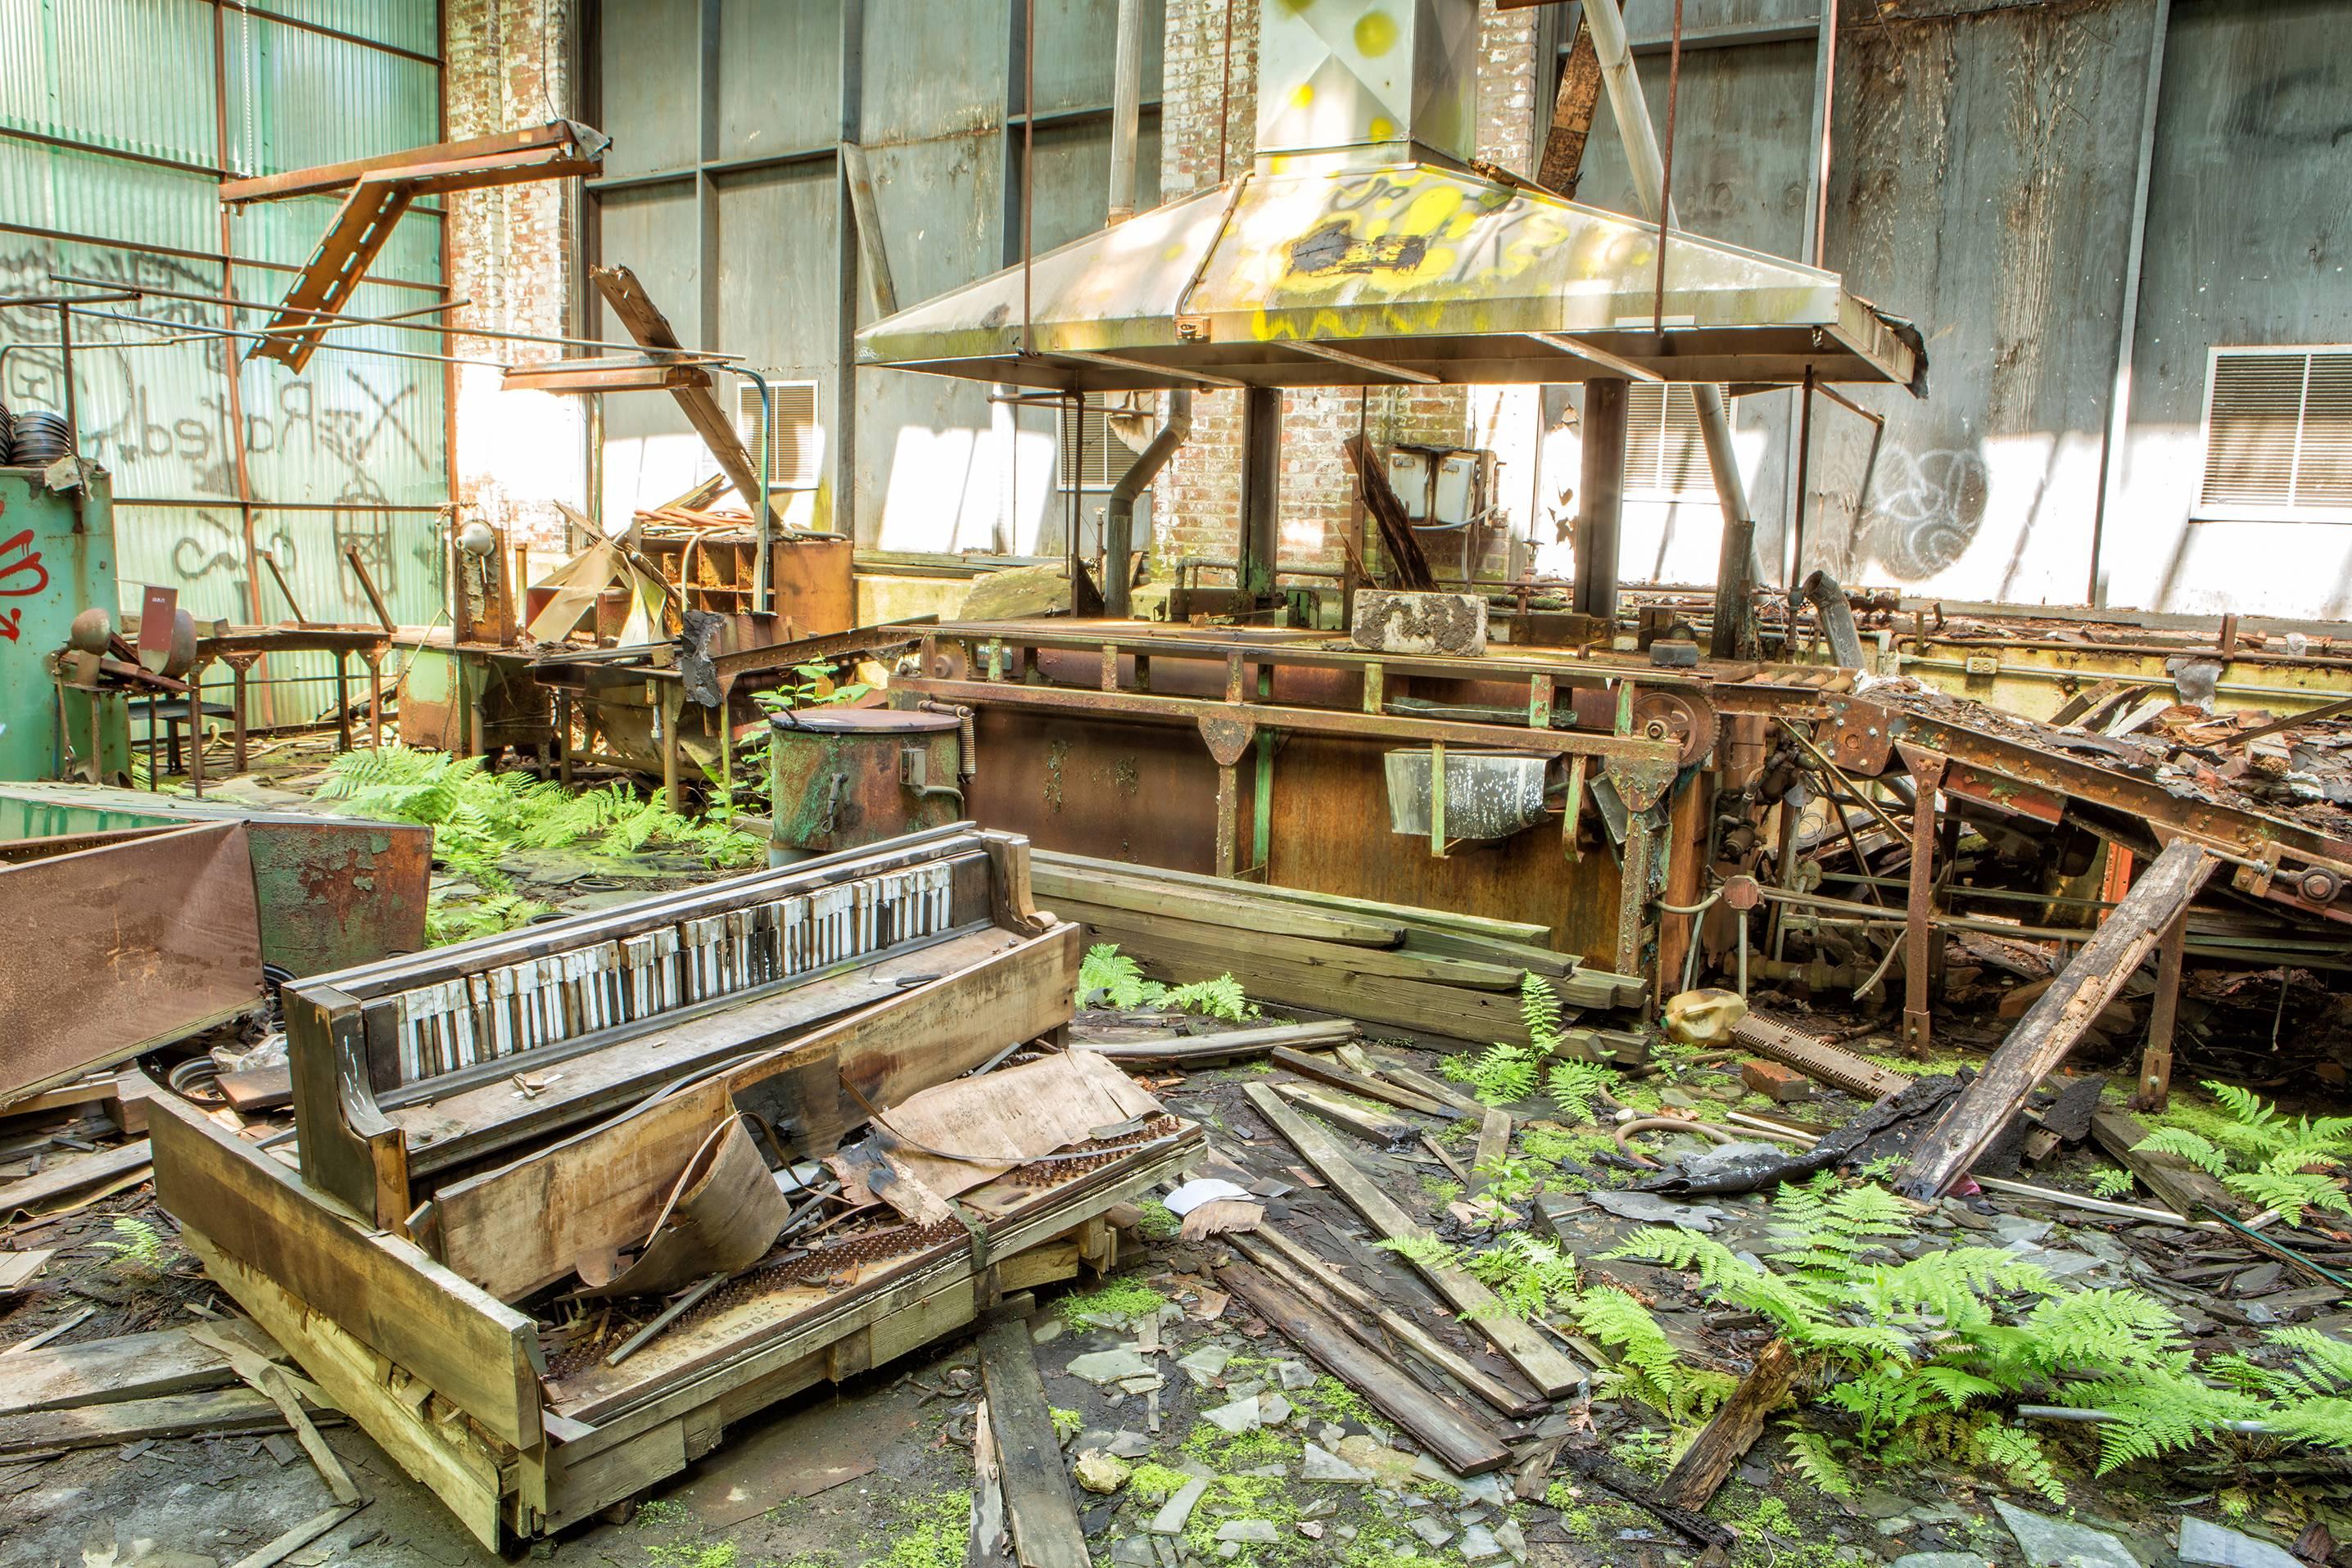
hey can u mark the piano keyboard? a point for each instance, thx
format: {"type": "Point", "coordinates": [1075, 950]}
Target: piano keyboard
{"type": "Point", "coordinates": [515, 1008]}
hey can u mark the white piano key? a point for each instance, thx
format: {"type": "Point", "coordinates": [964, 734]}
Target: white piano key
{"type": "Point", "coordinates": [405, 1035]}
{"type": "Point", "coordinates": [500, 982]}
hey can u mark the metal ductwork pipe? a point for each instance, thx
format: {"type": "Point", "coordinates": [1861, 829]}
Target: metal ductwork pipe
{"type": "Point", "coordinates": [1836, 615]}
{"type": "Point", "coordinates": [1126, 108]}
{"type": "Point", "coordinates": [1119, 514]}
{"type": "Point", "coordinates": [1735, 610]}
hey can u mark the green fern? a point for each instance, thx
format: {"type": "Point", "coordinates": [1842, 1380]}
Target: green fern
{"type": "Point", "coordinates": [1500, 1075]}
{"type": "Point", "coordinates": [2112, 1181]}
{"type": "Point", "coordinates": [1814, 1455]}
{"type": "Point", "coordinates": [1577, 1086]}
{"type": "Point", "coordinates": [2287, 1164]}
{"type": "Point", "coordinates": [1539, 1012]}
{"type": "Point", "coordinates": [1220, 997]}
{"type": "Point", "coordinates": [1111, 975]}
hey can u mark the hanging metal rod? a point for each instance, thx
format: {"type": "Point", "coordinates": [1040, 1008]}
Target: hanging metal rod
{"type": "Point", "coordinates": [216, 333]}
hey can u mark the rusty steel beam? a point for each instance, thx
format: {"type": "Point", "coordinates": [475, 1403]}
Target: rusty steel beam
{"type": "Point", "coordinates": [1312, 721]}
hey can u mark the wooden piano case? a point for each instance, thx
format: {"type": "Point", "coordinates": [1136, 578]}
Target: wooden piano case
{"type": "Point", "coordinates": [434, 1298]}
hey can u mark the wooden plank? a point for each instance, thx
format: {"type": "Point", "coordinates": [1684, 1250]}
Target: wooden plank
{"type": "Point", "coordinates": [1552, 1373]}
{"type": "Point", "coordinates": [475, 1350]}
{"type": "Point", "coordinates": [292, 1541]}
{"type": "Point", "coordinates": [441, 1450]}
{"type": "Point", "coordinates": [272, 1383]}
{"type": "Point", "coordinates": [1355, 1084]}
{"type": "Point", "coordinates": [1222, 1046]}
{"type": "Point", "coordinates": [2180, 1185]}
{"type": "Point", "coordinates": [47, 1189]}
{"type": "Point", "coordinates": [1366, 1123]}
{"type": "Point", "coordinates": [1251, 939]}
{"type": "Point", "coordinates": [209, 1411]}
{"type": "Point", "coordinates": [1436, 1089]}
{"type": "Point", "coordinates": [107, 1371]}
{"type": "Point", "coordinates": [1444, 1010]}
{"type": "Point", "coordinates": [2050, 1029]}
{"type": "Point", "coordinates": [615, 374]}
{"type": "Point", "coordinates": [1409, 915]}
{"type": "Point", "coordinates": [987, 1545]}
{"type": "Point", "coordinates": [19, 1270]}
{"type": "Point", "coordinates": [1465, 1446]}
{"type": "Point", "coordinates": [261, 1089]}
{"type": "Point", "coordinates": [1494, 1148]}
{"type": "Point", "coordinates": [1145, 896]}
{"type": "Point", "coordinates": [1038, 1507]}
{"type": "Point", "coordinates": [1328, 1288]}
{"type": "Point", "coordinates": [1726, 1439]}
{"type": "Point", "coordinates": [1562, 165]}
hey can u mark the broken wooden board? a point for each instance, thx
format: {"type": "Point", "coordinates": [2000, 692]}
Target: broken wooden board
{"type": "Point", "coordinates": [2049, 1031]}
{"type": "Point", "coordinates": [1551, 1372]}
{"type": "Point", "coordinates": [208, 1412]}
{"type": "Point", "coordinates": [1734, 1429]}
{"type": "Point", "coordinates": [1337, 1077]}
{"type": "Point", "coordinates": [2176, 1183]}
{"type": "Point", "coordinates": [1038, 1507]}
{"type": "Point", "coordinates": [130, 1367]}
{"type": "Point", "coordinates": [48, 1190]}
{"type": "Point", "coordinates": [1465, 1446]}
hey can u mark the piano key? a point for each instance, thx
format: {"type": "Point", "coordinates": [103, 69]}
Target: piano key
{"type": "Point", "coordinates": [501, 983]}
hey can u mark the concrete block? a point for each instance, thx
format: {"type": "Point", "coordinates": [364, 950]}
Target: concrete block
{"type": "Point", "coordinates": [1418, 623]}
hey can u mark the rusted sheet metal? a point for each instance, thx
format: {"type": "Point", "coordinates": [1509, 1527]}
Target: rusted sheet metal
{"type": "Point", "coordinates": [1919, 902]}
{"type": "Point", "coordinates": [2009, 795]}
{"type": "Point", "coordinates": [840, 777]}
{"type": "Point", "coordinates": [332, 891]}
{"type": "Point", "coordinates": [1137, 792]}
{"type": "Point", "coordinates": [116, 949]}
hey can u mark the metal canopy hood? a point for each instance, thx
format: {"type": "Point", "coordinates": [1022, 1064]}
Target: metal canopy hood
{"type": "Point", "coordinates": [1362, 249]}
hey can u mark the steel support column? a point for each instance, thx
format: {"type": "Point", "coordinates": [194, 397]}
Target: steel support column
{"type": "Point", "coordinates": [1261, 484]}
{"type": "Point", "coordinates": [1600, 522]}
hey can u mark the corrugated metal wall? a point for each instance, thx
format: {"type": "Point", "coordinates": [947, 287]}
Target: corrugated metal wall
{"type": "Point", "coordinates": [1984, 162]}
{"type": "Point", "coordinates": [722, 191]}
{"type": "Point", "coordinates": [118, 119]}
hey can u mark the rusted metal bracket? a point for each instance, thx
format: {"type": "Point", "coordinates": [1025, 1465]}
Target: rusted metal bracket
{"type": "Point", "coordinates": [1228, 740]}
{"type": "Point", "coordinates": [1919, 909]}
{"type": "Point", "coordinates": [1640, 785]}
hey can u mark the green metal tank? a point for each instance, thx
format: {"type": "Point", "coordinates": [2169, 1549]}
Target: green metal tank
{"type": "Point", "coordinates": [843, 777]}
{"type": "Point", "coordinates": [56, 559]}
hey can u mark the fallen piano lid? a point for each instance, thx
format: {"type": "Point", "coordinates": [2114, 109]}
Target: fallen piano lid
{"type": "Point", "coordinates": [1376, 266]}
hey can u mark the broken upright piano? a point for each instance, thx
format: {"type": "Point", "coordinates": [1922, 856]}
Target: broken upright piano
{"type": "Point", "coordinates": [544, 1238]}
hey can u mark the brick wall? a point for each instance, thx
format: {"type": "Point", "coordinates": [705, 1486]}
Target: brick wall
{"type": "Point", "coordinates": [1197, 509]}
{"type": "Point", "coordinates": [518, 453]}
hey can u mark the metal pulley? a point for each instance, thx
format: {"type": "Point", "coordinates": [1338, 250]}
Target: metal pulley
{"type": "Point", "coordinates": [1688, 721]}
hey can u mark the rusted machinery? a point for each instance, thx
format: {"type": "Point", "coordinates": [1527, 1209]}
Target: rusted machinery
{"type": "Point", "coordinates": [515, 1152]}
{"type": "Point", "coordinates": [841, 777]}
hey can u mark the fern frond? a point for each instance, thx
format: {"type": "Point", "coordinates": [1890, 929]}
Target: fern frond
{"type": "Point", "coordinates": [2017, 1454]}
{"type": "Point", "coordinates": [2289, 1192]}
{"type": "Point", "coordinates": [1539, 1011]}
{"type": "Point", "coordinates": [1812, 1453]}
{"type": "Point", "coordinates": [2183, 1144]}
{"type": "Point", "coordinates": [1575, 1086]}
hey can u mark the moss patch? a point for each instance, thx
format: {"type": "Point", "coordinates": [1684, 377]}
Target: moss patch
{"type": "Point", "coordinates": [1124, 1298]}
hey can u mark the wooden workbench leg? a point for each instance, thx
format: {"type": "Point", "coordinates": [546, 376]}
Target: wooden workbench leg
{"type": "Point", "coordinates": [1919, 910]}
{"type": "Point", "coordinates": [564, 737]}
{"type": "Point", "coordinates": [673, 704]}
{"type": "Point", "coordinates": [375, 663]}
{"type": "Point", "coordinates": [2156, 1058]}
{"type": "Point", "coordinates": [342, 701]}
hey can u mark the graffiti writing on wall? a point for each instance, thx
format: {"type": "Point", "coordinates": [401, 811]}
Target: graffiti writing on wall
{"type": "Point", "coordinates": [1925, 509]}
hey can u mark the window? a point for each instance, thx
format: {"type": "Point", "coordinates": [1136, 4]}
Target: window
{"type": "Point", "coordinates": [2278, 435]}
{"type": "Point", "coordinates": [1665, 453]}
{"type": "Point", "coordinates": [799, 443]}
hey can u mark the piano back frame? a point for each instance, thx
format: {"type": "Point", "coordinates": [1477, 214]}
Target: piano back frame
{"type": "Point", "coordinates": [337, 1031]}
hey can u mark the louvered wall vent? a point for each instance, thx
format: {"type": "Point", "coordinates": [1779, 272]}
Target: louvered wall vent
{"type": "Point", "coordinates": [1665, 453]}
{"type": "Point", "coordinates": [799, 441]}
{"type": "Point", "coordinates": [2278, 435]}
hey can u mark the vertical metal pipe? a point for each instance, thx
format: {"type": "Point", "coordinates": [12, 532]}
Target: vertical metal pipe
{"type": "Point", "coordinates": [1600, 523]}
{"type": "Point", "coordinates": [1126, 109]}
{"type": "Point", "coordinates": [2111, 440]}
{"type": "Point", "coordinates": [1735, 628]}
{"type": "Point", "coordinates": [1797, 526]}
{"type": "Point", "coordinates": [1118, 512]}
